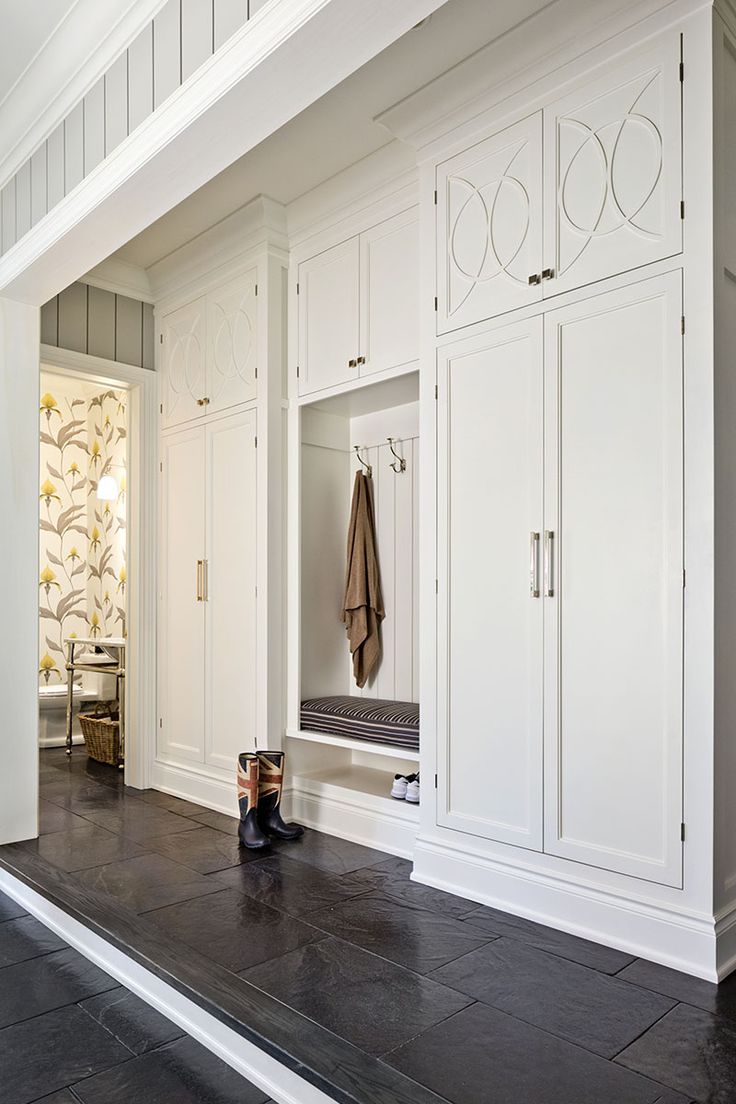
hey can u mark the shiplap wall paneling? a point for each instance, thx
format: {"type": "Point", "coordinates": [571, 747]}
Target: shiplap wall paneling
{"type": "Point", "coordinates": [73, 318]}
{"type": "Point", "coordinates": [23, 200]}
{"type": "Point", "coordinates": [50, 322]}
{"type": "Point", "coordinates": [7, 214]}
{"type": "Point", "coordinates": [166, 52]}
{"type": "Point", "coordinates": [101, 323]}
{"type": "Point", "coordinates": [128, 330]}
{"type": "Point", "coordinates": [140, 78]}
{"type": "Point", "coordinates": [229, 15]}
{"type": "Point", "coordinates": [39, 185]}
{"type": "Point", "coordinates": [74, 148]}
{"type": "Point", "coordinates": [94, 126]}
{"type": "Point", "coordinates": [148, 337]}
{"type": "Point", "coordinates": [55, 166]}
{"type": "Point", "coordinates": [116, 104]}
{"type": "Point", "coordinates": [196, 35]}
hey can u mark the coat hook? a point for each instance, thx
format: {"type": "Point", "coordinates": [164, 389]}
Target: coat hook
{"type": "Point", "coordinates": [368, 468]}
{"type": "Point", "coordinates": [399, 464]}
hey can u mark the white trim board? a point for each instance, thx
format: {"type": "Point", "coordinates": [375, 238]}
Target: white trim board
{"type": "Point", "coordinates": [244, 1057]}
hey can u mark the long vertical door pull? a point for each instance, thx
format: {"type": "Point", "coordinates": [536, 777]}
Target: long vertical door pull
{"type": "Point", "coordinates": [549, 565]}
{"type": "Point", "coordinates": [534, 564]}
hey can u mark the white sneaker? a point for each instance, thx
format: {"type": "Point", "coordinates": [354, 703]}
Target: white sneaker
{"type": "Point", "coordinates": [398, 789]}
{"type": "Point", "coordinates": [412, 790]}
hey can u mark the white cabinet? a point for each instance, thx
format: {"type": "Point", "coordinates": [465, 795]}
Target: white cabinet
{"type": "Point", "coordinates": [614, 649]}
{"type": "Point", "coordinates": [207, 659]}
{"type": "Point", "coordinates": [209, 352]}
{"type": "Point", "coordinates": [489, 226]}
{"type": "Point", "coordinates": [490, 436]}
{"type": "Point", "coordinates": [181, 622]}
{"type": "Point", "coordinates": [588, 187]}
{"type": "Point", "coordinates": [230, 608]}
{"type": "Point", "coordinates": [583, 590]}
{"type": "Point", "coordinates": [358, 305]}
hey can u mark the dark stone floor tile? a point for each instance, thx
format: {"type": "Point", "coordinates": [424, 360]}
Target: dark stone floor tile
{"type": "Point", "coordinates": [328, 853]}
{"type": "Point", "coordinates": [293, 887]}
{"type": "Point", "coordinates": [232, 929]}
{"type": "Point", "coordinates": [146, 882]}
{"type": "Point", "coordinates": [582, 1005]}
{"type": "Point", "coordinates": [482, 1056]}
{"type": "Point", "coordinates": [596, 955]}
{"type": "Point", "coordinates": [138, 1026]}
{"type": "Point", "coordinates": [84, 847]}
{"type": "Point", "coordinates": [52, 1051]}
{"type": "Point", "coordinates": [63, 1096]}
{"type": "Point", "coordinates": [719, 999]}
{"type": "Point", "coordinates": [203, 849]}
{"type": "Point", "coordinates": [364, 999]}
{"type": "Point", "coordinates": [220, 821]}
{"type": "Point", "coordinates": [393, 878]}
{"type": "Point", "coordinates": [413, 937]}
{"type": "Point", "coordinates": [52, 818]}
{"type": "Point", "coordinates": [179, 1073]}
{"type": "Point", "coordinates": [691, 1051]}
{"type": "Point", "coordinates": [167, 801]}
{"type": "Point", "coordinates": [41, 984]}
{"type": "Point", "coordinates": [139, 821]}
{"type": "Point", "coordinates": [26, 938]}
{"type": "Point", "coordinates": [84, 798]}
{"type": "Point", "coordinates": [10, 909]}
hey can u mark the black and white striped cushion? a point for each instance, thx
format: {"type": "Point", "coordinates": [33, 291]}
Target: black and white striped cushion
{"type": "Point", "coordinates": [394, 723]}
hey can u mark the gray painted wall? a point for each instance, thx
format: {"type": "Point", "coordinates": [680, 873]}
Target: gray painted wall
{"type": "Point", "coordinates": [89, 320]}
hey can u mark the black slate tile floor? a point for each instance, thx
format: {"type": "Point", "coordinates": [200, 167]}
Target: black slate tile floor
{"type": "Point", "coordinates": [80, 848]}
{"type": "Point", "coordinates": [107, 1048]}
{"type": "Point", "coordinates": [340, 933]}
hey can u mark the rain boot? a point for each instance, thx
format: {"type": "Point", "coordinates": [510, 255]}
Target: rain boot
{"type": "Point", "coordinates": [249, 833]}
{"type": "Point", "coordinates": [270, 788]}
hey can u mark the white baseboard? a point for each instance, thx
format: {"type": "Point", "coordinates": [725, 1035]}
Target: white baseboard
{"type": "Point", "coordinates": [59, 741]}
{"type": "Point", "coordinates": [352, 821]}
{"type": "Point", "coordinates": [681, 941]}
{"type": "Point", "coordinates": [274, 1079]}
{"type": "Point", "coordinates": [215, 793]}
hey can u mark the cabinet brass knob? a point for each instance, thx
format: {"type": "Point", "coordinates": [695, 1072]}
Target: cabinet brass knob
{"type": "Point", "coordinates": [352, 364]}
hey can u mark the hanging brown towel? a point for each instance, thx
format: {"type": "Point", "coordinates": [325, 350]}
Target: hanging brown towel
{"type": "Point", "coordinates": [363, 606]}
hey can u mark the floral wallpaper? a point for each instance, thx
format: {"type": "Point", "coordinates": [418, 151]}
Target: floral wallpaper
{"type": "Point", "coordinates": [83, 573]}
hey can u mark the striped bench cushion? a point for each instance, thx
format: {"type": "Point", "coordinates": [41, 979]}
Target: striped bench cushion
{"type": "Point", "coordinates": [394, 723]}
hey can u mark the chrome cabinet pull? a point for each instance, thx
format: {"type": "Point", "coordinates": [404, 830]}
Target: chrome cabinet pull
{"type": "Point", "coordinates": [200, 580]}
{"type": "Point", "coordinates": [549, 566]}
{"type": "Point", "coordinates": [534, 564]}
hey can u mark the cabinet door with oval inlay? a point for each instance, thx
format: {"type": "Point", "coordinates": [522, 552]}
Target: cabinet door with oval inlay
{"type": "Point", "coordinates": [489, 227]}
{"type": "Point", "coordinates": [613, 170]}
{"type": "Point", "coordinates": [232, 345]}
{"type": "Point", "coordinates": [183, 364]}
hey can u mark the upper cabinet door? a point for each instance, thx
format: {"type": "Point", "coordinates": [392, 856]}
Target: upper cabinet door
{"type": "Point", "coordinates": [232, 343]}
{"type": "Point", "coordinates": [183, 364]}
{"type": "Point", "coordinates": [489, 227]}
{"type": "Point", "coordinates": [329, 334]}
{"type": "Point", "coordinates": [614, 567]}
{"type": "Point", "coordinates": [489, 704]}
{"type": "Point", "coordinates": [613, 170]}
{"type": "Point", "coordinates": [389, 294]}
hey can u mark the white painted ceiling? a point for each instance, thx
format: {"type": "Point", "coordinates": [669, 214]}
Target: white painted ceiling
{"type": "Point", "coordinates": [24, 28]}
{"type": "Point", "coordinates": [337, 130]}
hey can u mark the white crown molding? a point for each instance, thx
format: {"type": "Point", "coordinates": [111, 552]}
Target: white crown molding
{"type": "Point", "coordinates": [47, 91]}
{"type": "Point", "coordinates": [560, 33]}
{"type": "Point", "coordinates": [259, 224]}
{"type": "Point", "coordinates": [287, 56]}
{"type": "Point", "coordinates": [121, 277]}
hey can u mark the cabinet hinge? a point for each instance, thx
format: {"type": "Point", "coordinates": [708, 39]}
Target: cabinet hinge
{"type": "Point", "coordinates": [682, 324]}
{"type": "Point", "coordinates": [435, 197]}
{"type": "Point", "coordinates": [160, 722]}
{"type": "Point", "coordinates": [684, 577]}
{"type": "Point", "coordinates": [161, 466]}
{"type": "Point", "coordinates": [436, 586]}
{"type": "Point", "coordinates": [256, 289]}
{"type": "Point", "coordinates": [297, 288]}
{"type": "Point", "coordinates": [436, 391]}
{"type": "Point", "coordinates": [255, 442]}
{"type": "Point", "coordinates": [682, 832]}
{"type": "Point", "coordinates": [160, 339]}
{"type": "Point", "coordinates": [435, 781]}
{"type": "Point", "coordinates": [682, 71]}
{"type": "Point", "coordinates": [682, 208]}
{"type": "Point", "coordinates": [435, 302]}
{"type": "Point", "coordinates": [297, 371]}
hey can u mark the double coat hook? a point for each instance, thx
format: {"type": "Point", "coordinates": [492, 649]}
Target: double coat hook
{"type": "Point", "coordinates": [399, 464]}
{"type": "Point", "coordinates": [367, 467]}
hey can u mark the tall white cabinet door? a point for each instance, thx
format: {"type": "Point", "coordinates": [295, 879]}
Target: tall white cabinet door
{"type": "Point", "coordinates": [232, 343]}
{"type": "Point", "coordinates": [389, 294]}
{"type": "Point", "coordinates": [613, 170]}
{"type": "Point", "coordinates": [183, 355]}
{"type": "Point", "coordinates": [490, 464]}
{"type": "Point", "coordinates": [614, 625]}
{"type": "Point", "coordinates": [329, 334]}
{"type": "Point", "coordinates": [182, 612]}
{"type": "Point", "coordinates": [231, 588]}
{"type": "Point", "coordinates": [489, 226]}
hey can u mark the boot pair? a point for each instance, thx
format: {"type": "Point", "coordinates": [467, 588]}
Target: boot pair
{"type": "Point", "coordinates": [260, 785]}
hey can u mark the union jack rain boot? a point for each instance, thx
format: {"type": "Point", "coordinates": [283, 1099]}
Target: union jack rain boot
{"type": "Point", "coordinates": [249, 833]}
{"type": "Point", "coordinates": [270, 787]}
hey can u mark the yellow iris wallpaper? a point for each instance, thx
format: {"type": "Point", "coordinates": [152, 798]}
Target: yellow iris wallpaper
{"type": "Point", "coordinates": [83, 574]}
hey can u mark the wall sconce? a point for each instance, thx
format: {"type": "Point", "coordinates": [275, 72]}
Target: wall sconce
{"type": "Point", "coordinates": [107, 489]}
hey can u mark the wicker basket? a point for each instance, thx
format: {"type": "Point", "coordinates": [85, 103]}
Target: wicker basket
{"type": "Point", "coordinates": [101, 731]}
